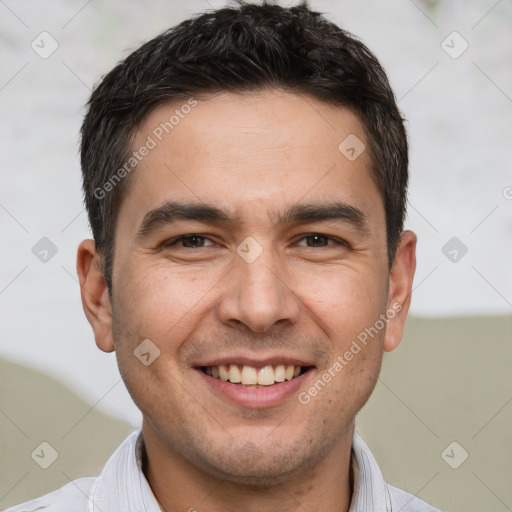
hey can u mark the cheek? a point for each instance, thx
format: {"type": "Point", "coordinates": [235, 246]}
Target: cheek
{"type": "Point", "coordinates": [159, 302]}
{"type": "Point", "coordinates": [155, 304]}
{"type": "Point", "coordinates": [347, 308]}
{"type": "Point", "coordinates": [343, 301]}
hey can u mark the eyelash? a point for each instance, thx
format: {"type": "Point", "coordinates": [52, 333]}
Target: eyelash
{"type": "Point", "coordinates": [174, 241]}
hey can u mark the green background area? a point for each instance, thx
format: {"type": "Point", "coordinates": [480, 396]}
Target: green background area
{"type": "Point", "coordinates": [449, 381]}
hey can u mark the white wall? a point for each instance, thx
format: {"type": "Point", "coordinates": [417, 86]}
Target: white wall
{"type": "Point", "coordinates": [459, 115]}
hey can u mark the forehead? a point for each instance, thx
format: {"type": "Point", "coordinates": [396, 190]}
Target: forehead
{"type": "Point", "coordinates": [251, 152]}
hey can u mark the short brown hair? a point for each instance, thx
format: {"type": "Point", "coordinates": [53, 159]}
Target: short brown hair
{"type": "Point", "coordinates": [239, 49]}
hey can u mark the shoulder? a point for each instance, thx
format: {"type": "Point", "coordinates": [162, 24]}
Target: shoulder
{"type": "Point", "coordinates": [73, 497]}
{"type": "Point", "coordinates": [405, 502]}
{"type": "Point", "coordinates": [77, 495]}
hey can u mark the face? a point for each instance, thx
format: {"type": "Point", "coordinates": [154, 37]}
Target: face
{"type": "Point", "coordinates": [249, 247]}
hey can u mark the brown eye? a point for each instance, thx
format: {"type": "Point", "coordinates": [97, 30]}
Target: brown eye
{"type": "Point", "coordinates": [192, 241]}
{"type": "Point", "coordinates": [188, 242]}
{"type": "Point", "coordinates": [319, 240]}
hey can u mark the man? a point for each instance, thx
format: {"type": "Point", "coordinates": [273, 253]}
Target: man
{"type": "Point", "coordinates": [245, 176]}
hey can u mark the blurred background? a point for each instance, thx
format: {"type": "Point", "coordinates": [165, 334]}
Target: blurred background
{"type": "Point", "coordinates": [440, 419]}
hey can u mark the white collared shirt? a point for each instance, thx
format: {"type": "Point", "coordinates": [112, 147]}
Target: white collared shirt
{"type": "Point", "coordinates": [122, 487]}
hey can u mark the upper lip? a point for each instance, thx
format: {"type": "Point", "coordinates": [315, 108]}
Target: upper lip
{"type": "Point", "coordinates": [254, 361]}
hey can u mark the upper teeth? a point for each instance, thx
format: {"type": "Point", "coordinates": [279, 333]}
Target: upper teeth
{"type": "Point", "coordinates": [248, 375]}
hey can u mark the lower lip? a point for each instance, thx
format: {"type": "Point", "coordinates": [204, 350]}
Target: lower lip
{"type": "Point", "coordinates": [269, 396]}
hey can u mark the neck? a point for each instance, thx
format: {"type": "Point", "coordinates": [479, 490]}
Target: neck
{"type": "Point", "coordinates": [179, 485]}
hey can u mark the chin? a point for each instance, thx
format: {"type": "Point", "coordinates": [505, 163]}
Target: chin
{"type": "Point", "coordinates": [263, 467]}
{"type": "Point", "coordinates": [265, 475]}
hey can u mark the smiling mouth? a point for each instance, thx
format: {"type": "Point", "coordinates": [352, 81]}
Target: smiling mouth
{"type": "Point", "coordinates": [249, 376]}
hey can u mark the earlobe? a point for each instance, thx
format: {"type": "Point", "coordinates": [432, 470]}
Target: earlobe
{"type": "Point", "coordinates": [400, 288]}
{"type": "Point", "coordinates": [94, 293]}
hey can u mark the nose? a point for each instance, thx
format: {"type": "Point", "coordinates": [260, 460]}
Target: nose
{"type": "Point", "coordinates": [258, 295]}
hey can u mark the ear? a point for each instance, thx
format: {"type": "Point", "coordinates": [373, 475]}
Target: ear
{"type": "Point", "coordinates": [400, 288]}
{"type": "Point", "coordinates": [94, 293]}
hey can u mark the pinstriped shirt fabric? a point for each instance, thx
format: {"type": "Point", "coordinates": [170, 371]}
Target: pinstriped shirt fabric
{"type": "Point", "coordinates": [122, 487]}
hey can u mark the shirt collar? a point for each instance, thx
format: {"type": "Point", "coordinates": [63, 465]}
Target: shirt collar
{"type": "Point", "coordinates": [371, 491]}
{"type": "Point", "coordinates": [122, 486]}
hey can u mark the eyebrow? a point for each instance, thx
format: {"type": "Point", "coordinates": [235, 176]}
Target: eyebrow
{"type": "Point", "coordinates": [173, 211]}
